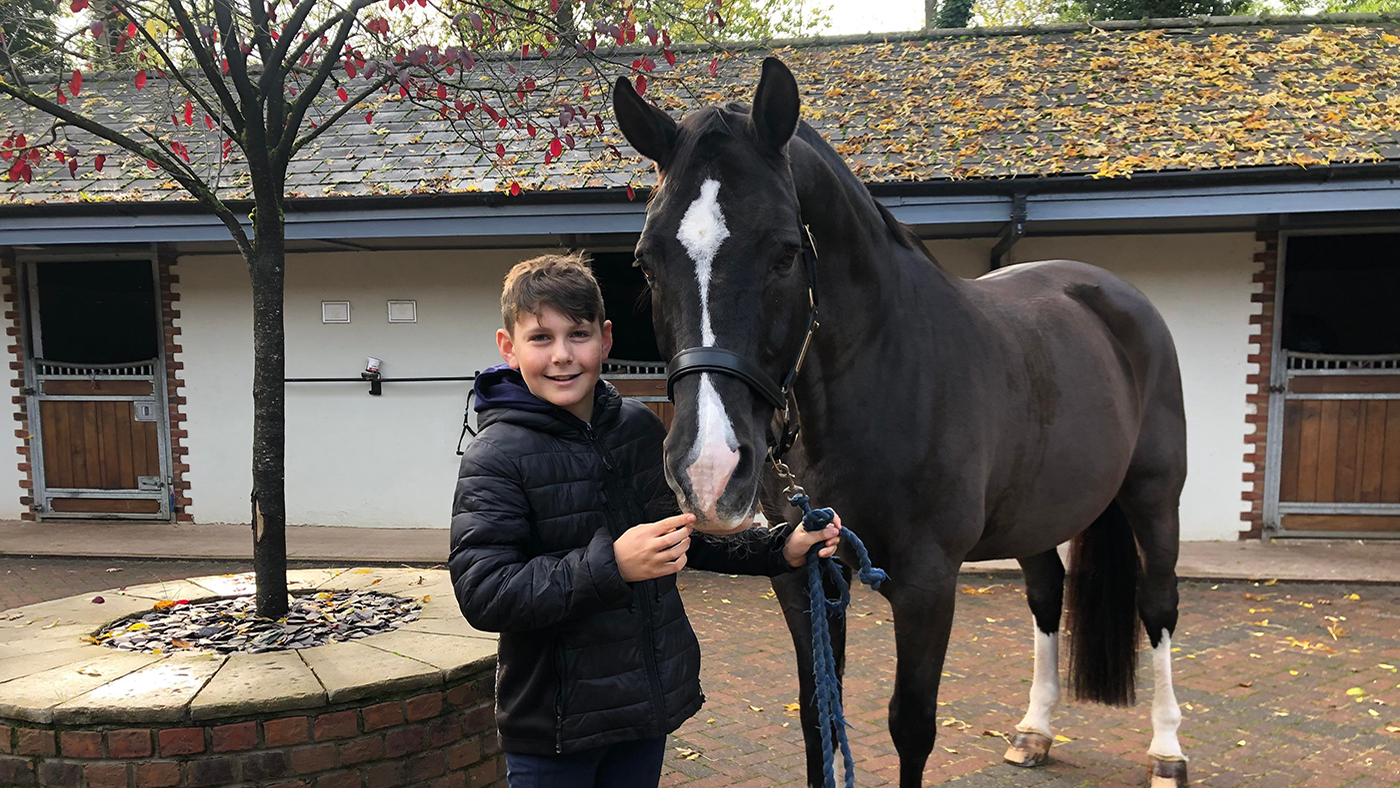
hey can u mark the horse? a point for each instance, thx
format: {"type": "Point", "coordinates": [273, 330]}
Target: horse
{"type": "Point", "coordinates": [945, 419]}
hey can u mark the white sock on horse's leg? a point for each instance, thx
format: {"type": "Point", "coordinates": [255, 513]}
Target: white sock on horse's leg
{"type": "Point", "coordinates": [1166, 713]}
{"type": "Point", "coordinates": [1045, 686]}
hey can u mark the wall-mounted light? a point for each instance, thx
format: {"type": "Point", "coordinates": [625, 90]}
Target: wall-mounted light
{"type": "Point", "coordinates": [371, 374]}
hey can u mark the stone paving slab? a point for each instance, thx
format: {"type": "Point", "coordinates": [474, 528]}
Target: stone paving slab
{"type": "Point", "coordinates": [159, 692]}
{"type": "Point", "coordinates": [1263, 687]}
{"type": "Point", "coordinates": [33, 697]}
{"type": "Point", "coordinates": [48, 674]}
{"type": "Point", "coordinates": [257, 684]}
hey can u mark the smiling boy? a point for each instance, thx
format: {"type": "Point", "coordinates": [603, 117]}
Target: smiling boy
{"type": "Point", "coordinates": [566, 540]}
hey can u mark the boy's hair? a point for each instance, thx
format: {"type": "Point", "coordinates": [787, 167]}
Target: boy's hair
{"type": "Point", "coordinates": [561, 281]}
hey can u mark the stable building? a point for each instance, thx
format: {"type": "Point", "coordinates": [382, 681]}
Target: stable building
{"type": "Point", "coordinates": [1241, 172]}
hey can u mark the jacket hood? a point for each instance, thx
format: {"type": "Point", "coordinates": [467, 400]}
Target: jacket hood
{"type": "Point", "coordinates": [501, 395]}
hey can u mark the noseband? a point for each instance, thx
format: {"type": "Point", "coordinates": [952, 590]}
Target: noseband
{"type": "Point", "coordinates": [693, 360]}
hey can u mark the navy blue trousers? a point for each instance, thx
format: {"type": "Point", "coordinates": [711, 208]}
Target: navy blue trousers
{"type": "Point", "coordinates": [631, 764]}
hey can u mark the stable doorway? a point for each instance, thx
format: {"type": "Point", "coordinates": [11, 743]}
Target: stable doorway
{"type": "Point", "coordinates": [1336, 467]}
{"type": "Point", "coordinates": [94, 373]}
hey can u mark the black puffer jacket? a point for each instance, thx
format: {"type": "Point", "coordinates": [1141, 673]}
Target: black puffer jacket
{"type": "Point", "coordinates": [585, 658]}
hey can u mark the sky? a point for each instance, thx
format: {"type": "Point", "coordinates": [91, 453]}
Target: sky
{"type": "Point", "coordinates": [875, 16]}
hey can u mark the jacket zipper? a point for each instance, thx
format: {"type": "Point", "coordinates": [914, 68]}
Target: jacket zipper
{"type": "Point", "coordinates": [641, 591]}
{"type": "Point", "coordinates": [559, 699]}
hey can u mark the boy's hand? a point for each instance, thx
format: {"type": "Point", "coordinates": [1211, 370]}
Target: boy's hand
{"type": "Point", "coordinates": [654, 549]}
{"type": "Point", "coordinates": [801, 540]}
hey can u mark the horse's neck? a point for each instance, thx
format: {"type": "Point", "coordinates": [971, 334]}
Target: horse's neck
{"type": "Point", "coordinates": [882, 303]}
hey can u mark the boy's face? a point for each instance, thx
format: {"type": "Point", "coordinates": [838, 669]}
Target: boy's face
{"type": "Point", "coordinates": [559, 357]}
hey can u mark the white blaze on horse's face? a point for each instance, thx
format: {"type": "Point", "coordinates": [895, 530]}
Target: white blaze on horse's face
{"type": "Point", "coordinates": [716, 451]}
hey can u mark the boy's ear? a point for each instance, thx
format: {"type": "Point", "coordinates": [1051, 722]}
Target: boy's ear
{"type": "Point", "coordinates": [505, 343]}
{"type": "Point", "coordinates": [607, 338]}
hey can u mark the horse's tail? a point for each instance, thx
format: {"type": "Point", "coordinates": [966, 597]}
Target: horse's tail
{"type": "Point", "coordinates": [1102, 603]}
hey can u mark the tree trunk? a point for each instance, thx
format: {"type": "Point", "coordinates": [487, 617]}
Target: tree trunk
{"type": "Point", "coordinates": [267, 269]}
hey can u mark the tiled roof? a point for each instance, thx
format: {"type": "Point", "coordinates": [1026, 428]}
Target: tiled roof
{"type": "Point", "coordinates": [1040, 102]}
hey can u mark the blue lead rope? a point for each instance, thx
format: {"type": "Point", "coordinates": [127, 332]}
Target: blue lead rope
{"type": "Point", "coordinates": [829, 713]}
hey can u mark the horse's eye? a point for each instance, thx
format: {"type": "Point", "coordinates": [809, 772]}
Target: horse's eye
{"type": "Point", "coordinates": [786, 260]}
{"type": "Point", "coordinates": [642, 264]}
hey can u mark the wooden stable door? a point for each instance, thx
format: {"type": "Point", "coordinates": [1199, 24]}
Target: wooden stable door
{"type": "Point", "coordinates": [95, 379]}
{"type": "Point", "coordinates": [99, 445]}
{"type": "Point", "coordinates": [1340, 464]}
{"type": "Point", "coordinates": [649, 389]}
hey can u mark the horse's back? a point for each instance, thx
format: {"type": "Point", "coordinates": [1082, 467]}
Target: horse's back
{"type": "Point", "coordinates": [1092, 393]}
{"type": "Point", "coordinates": [1089, 297]}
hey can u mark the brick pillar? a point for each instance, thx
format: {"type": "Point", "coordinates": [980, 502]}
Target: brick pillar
{"type": "Point", "coordinates": [174, 381]}
{"type": "Point", "coordinates": [14, 330]}
{"type": "Point", "coordinates": [1257, 407]}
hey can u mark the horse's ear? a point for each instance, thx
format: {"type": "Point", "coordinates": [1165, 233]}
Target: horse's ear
{"type": "Point", "coordinates": [647, 128]}
{"type": "Point", "coordinates": [775, 104]}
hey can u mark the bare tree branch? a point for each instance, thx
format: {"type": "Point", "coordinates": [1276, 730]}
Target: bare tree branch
{"type": "Point", "coordinates": [192, 184]}
{"type": "Point", "coordinates": [172, 69]}
{"type": "Point", "coordinates": [338, 114]}
{"type": "Point", "coordinates": [205, 59]}
{"type": "Point", "coordinates": [318, 80]}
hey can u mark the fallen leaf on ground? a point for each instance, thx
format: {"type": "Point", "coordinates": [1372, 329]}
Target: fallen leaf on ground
{"type": "Point", "coordinates": [114, 569]}
{"type": "Point", "coordinates": [755, 708]}
{"type": "Point", "coordinates": [686, 754]}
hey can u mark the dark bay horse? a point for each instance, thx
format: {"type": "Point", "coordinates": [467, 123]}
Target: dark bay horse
{"type": "Point", "coordinates": [945, 419]}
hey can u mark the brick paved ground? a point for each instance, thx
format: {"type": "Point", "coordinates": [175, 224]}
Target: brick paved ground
{"type": "Point", "coordinates": [1263, 683]}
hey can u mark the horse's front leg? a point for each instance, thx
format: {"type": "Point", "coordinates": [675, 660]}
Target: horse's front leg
{"type": "Point", "coordinates": [922, 602]}
{"type": "Point", "coordinates": [791, 589]}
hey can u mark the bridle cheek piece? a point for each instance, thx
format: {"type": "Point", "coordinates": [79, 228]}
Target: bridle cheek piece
{"type": "Point", "coordinates": [694, 360]}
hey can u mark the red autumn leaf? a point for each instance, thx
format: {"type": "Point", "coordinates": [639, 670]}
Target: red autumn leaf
{"type": "Point", "coordinates": [72, 168]}
{"type": "Point", "coordinates": [369, 117]}
{"type": "Point", "coordinates": [130, 29]}
{"type": "Point", "coordinates": [341, 94]}
{"type": "Point", "coordinates": [208, 122]}
{"type": "Point", "coordinates": [189, 112]}
{"type": "Point", "coordinates": [569, 140]}
{"type": "Point", "coordinates": [500, 150]}
{"type": "Point", "coordinates": [75, 85]}
{"type": "Point", "coordinates": [97, 600]}
{"type": "Point", "coordinates": [152, 164]}
{"type": "Point", "coordinates": [670, 56]}
{"type": "Point", "coordinates": [641, 85]}
{"type": "Point", "coordinates": [78, 5]}
{"type": "Point", "coordinates": [141, 79]}
{"type": "Point", "coordinates": [515, 188]}
{"type": "Point", "coordinates": [585, 91]}
{"type": "Point", "coordinates": [96, 29]}
{"type": "Point", "coordinates": [714, 67]}
{"type": "Point", "coordinates": [547, 158]}
{"type": "Point", "coordinates": [631, 195]}
{"type": "Point", "coordinates": [62, 99]}
{"type": "Point", "coordinates": [35, 154]}
{"type": "Point", "coordinates": [349, 68]}
{"type": "Point", "coordinates": [58, 154]}
{"type": "Point", "coordinates": [442, 92]}
{"type": "Point", "coordinates": [99, 162]}
{"type": "Point", "coordinates": [556, 147]}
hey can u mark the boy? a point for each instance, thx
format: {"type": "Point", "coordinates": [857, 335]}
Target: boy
{"type": "Point", "coordinates": [565, 539]}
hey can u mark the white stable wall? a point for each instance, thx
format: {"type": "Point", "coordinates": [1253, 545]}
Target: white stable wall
{"type": "Point", "coordinates": [352, 459]}
{"type": "Point", "coordinates": [1201, 285]}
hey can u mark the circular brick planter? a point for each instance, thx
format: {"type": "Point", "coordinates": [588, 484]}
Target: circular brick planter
{"type": "Point", "coordinates": [407, 707]}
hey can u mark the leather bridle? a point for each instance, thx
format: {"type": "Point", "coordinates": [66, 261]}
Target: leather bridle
{"type": "Point", "coordinates": [693, 360]}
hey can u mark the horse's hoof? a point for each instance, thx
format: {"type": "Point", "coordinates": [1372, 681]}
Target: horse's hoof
{"type": "Point", "coordinates": [1167, 774]}
{"type": "Point", "coordinates": [1029, 749]}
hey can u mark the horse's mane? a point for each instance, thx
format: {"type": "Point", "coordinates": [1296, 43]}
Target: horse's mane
{"type": "Point", "coordinates": [900, 231]}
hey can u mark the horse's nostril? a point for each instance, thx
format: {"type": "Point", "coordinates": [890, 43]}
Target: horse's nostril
{"type": "Point", "coordinates": [745, 465]}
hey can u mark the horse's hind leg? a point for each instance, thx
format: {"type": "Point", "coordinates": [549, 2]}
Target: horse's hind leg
{"type": "Point", "coordinates": [1045, 591]}
{"type": "Point", "coordinates": [1149, 503]}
